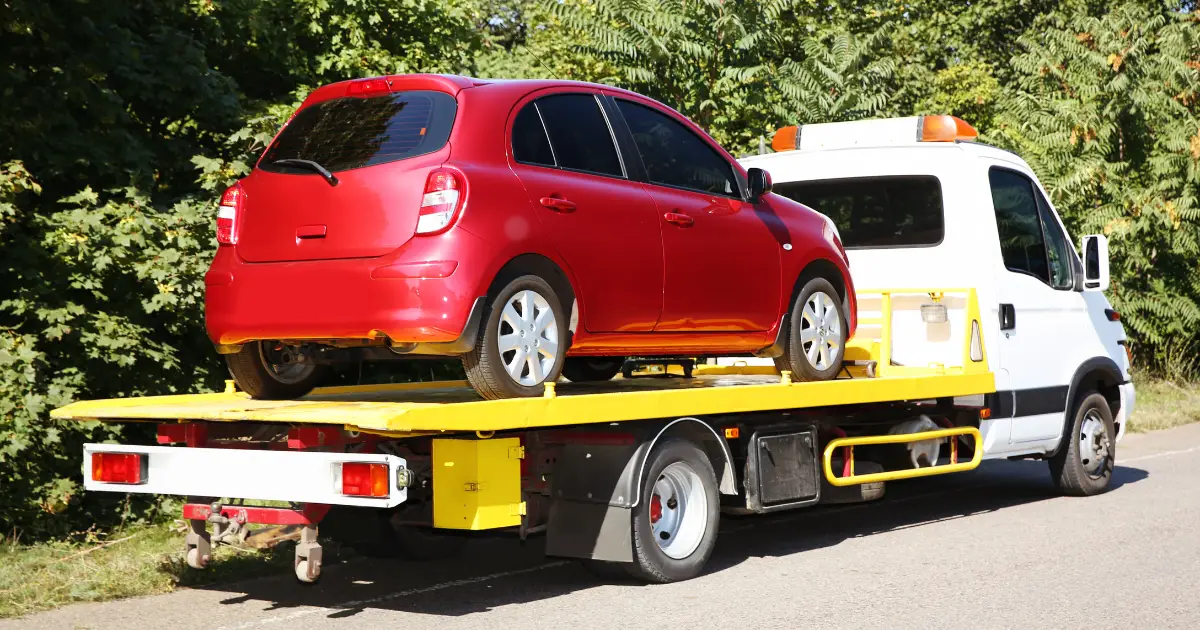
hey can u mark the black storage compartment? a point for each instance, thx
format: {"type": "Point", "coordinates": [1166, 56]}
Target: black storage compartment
{"type": "Point", "coordinates": [782, 468]}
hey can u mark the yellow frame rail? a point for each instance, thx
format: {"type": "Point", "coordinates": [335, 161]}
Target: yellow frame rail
{"type": "Point", "coordinates": [904, 438]}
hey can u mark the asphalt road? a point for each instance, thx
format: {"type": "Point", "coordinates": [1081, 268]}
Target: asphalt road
{"type": "Point", "coordinates": [994, 548]}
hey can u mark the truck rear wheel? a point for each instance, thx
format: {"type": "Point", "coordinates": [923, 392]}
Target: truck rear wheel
{"type": "Point", "coordinates": [269, 370]}
{"type": "Point", "coordinates": [817, 334]}
{"type": "Point", "coordinates": [1083, 465]}
{"type": "Point", "coordinates": [675, 522]}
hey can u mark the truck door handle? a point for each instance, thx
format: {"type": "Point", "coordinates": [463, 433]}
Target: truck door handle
{"type": "Point", "coordinates": [558, 205]}
{"type": "Point", "coordinates": [1008, 317]}
{"type": "Point", "coordinates": [310, 231]}
{"type": "Point", "coordinates": [679, 218]}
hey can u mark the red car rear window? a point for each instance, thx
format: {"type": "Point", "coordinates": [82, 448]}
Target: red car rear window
{"type": "Point", "coordinates": [345, 133]}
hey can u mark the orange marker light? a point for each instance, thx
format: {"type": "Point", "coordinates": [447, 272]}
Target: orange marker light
{"type": "Point", "coordinates": [786, 139]}
{"type": "Point", "coordinates": [945, 129]}
{"type": "Point", "coordinates": [985, 413]}
{"type": "Point", "coordinates": [732, 433]}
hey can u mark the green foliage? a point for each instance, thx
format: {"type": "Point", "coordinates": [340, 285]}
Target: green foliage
{"type": "Point", "coordinates": [120, 124]}
{"type": "Point", "coordinates": [1104, 107]}
{"type": "Point", "coordinates": [740, 68]}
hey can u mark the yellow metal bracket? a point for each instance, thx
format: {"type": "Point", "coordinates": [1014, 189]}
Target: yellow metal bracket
{"type": "Point", "coordinates": [974, 355]}
{"type": "Point", "coordinates": [954, 466]}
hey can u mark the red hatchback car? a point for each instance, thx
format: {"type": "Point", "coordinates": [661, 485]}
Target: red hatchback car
{"type": "Point", "coordinates": [532, 228]}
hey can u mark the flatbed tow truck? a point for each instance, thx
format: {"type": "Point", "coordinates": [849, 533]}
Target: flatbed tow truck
{"type": "Point", "coordinates": [627, 475]}
{"type": "Point", "coordinates": [632, 475]}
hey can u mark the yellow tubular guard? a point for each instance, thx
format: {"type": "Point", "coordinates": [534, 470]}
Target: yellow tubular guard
{"type": "Point", "coordinates": [892, 475]}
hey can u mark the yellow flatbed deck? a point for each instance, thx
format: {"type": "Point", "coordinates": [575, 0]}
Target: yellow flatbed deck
{"type": "Point", "coordinates": [452, 406]}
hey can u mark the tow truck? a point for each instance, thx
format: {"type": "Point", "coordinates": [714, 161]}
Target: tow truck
{"type": "Point", "coordinates": [632, 475]}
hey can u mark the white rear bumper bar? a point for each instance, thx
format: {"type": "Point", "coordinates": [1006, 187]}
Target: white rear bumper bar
{"type": "Point", "coordinates": [301, 477]}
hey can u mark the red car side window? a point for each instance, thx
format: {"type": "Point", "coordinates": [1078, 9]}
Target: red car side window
{"type": "Point", "coordinates": [674, 156]}
{"type": "Point", "coordinates": [579, 134]}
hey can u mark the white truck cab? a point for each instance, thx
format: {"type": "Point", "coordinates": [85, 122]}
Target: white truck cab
{"type": "Point", "coordinates": [918, 203]}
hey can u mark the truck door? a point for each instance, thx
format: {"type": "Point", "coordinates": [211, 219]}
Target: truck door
{"type": "Point", "coordinates": [1043, 318]}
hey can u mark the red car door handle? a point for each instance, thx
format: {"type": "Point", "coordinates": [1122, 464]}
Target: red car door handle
{"type": "Point", "coordinates": [310, 231]}
{"type": "Point", "coordinates": [558, 205]}
{"type": "Point", "coordinates": [680, 219]}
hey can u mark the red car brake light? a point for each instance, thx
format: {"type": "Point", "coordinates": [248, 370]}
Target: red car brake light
{"type": "Point", "coordinates": [119, 468]}
{"type": "Point", "coordinates": [364, 480]}
{"type": "Point", "coordinates": [231, 202]}
{"type": "Point", "coordinates": [441, 201]}
{"type": "Point", "coordinates": [368, 87]}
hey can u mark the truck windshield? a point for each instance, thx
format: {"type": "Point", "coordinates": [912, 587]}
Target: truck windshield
{"type": "Point", "coordinates": [346, 133]}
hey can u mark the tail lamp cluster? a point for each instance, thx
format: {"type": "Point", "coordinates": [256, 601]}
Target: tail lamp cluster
{"type": "Point", "coordinates": [441, 202]}
{"type": "Point", "coordinates": [127, 468]}
{"type": "Point", "coordinates": [360, 479]}
{"type": "Point", "coordinates": [231, 203]}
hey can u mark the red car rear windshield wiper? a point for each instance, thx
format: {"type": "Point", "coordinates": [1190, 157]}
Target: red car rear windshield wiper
{"type": "Point", "coordinates": [311, 165]}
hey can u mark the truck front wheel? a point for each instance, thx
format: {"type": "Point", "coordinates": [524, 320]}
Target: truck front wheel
{"type": "Point", "coordinates": [1083, 465]}
{"type": "Point", "coordinates": [675, 522]}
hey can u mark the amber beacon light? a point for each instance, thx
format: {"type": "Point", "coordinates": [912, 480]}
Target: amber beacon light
{"type": "Point", "coordinates": [945, 129]}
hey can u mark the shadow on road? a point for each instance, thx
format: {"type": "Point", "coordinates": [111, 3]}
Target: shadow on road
{"type": "Point", "coordinates": [497, 572]}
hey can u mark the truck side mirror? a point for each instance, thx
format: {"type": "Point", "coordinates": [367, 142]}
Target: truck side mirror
{"type": "Point", "coordinates": [760, 183]}
{"type": "Point", "coordinates": [1095, 262]}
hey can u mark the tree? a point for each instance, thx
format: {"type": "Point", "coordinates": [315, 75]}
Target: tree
{"type": "Point", "coordinates": [738, 68]}
{"type": "Point", "coordinates": [1104, 107]}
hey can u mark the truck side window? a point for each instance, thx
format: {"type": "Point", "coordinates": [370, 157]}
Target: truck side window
{"type": "Point", "coordinates": [1062, 272]}
{"type": "Point", "coordinates": [1022, 243]}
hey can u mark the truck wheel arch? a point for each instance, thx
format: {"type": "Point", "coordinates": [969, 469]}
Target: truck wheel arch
{"type": "Point", "coordinates": [1097, 373]}
{"type": "Point", "coordinates": [703, 435]}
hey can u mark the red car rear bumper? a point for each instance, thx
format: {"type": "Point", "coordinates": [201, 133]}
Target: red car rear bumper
{"type": "Point", "coordinates": [423, 292]}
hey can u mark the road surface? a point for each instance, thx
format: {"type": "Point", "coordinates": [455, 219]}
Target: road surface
{"type": "Point", "coordinates": [994, 548]}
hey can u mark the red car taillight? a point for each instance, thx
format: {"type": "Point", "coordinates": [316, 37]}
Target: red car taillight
{"type": "Point", "coordinates": [364, 480]}
{"type": "Point", "coordinates": [118, 467]}
{"type": "Point", "coordinates": [441, 202]}
{"type": "Point", "coordinates": [231, 202]}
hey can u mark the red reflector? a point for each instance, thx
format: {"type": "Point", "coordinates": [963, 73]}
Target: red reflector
{"type": "Point", "coordinates": [118, 467]}
{"type": "Point", "coordinates": [1112, 315]}
{"type": "Point", "coordinates": [364, 480]}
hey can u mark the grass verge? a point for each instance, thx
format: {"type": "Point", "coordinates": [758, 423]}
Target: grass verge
{"type": "Point", "coordinates": [1163, 404]}
{"type": "Point", "coordinates": [150, 559]}
{"type": "Point", "coordinates": [140, 561]}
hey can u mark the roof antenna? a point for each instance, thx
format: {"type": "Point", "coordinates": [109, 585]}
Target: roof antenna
{"type": "Point", "coordinates": [549, 73]}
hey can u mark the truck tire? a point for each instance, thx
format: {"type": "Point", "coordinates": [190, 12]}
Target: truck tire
{"type": "Point", "coordinates": [525, 318]}
{"type": "Point", "coordinates": [262, 369]}
{"type": "Point", "coordinates": [816, 334]}
{"type": "Point", "coordinates": [1083, 465]}
{"type": "Point", "coordinates": [675, 522]}
{"type": "Point", "coordinates": [592, 369]}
